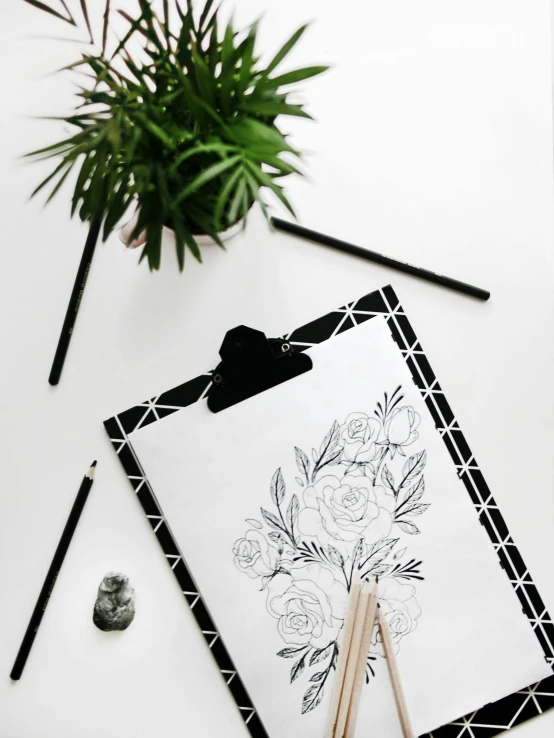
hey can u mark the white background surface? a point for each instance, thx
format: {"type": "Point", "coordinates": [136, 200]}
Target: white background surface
{"type": "Point", "coordinates": [436, 148]}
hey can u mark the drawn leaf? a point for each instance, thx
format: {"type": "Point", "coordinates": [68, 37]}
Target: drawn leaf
{"type": "Point", "coordinates": [335, 556]}
{"type": "Point", "coordinates": [290, 653]}
{"type": "Point", "coordinates": [254, 523]}
{"type": "Point", "coordinates": [318, 676]}
{"type": "Point", "coordinates": [388, 479]}
{"type": "Point", "coordinates": [271, 519]}
{"type": "Point", "coordinates": [314, 455]}
{"type": "Point", "coordinates": [310, 552]}
{"type": "Point", "coordinates": [408, 527]}
{"type": "Point", "coordinates": [400, 554]}
{"type": "Point", "coordinates": [414, 510]}
{"type": "Point", "coordinates": [380, 570]}
{"type": "Point", "coordinates": [408, 571]}
{"type": "Point", "coordinates": [327, 450]}
{"type": "Point", "coordinates": [394, 402]}
{"type": "Point", "coordinates": [320, 654]}
{"type": "Point", "coordinates": [292, 512]}
{"type": "Point", "coordinates": [358, 550]}
{"type": "Point", "coordinates": [333, 458]}
{"type": "Point", "coordinates": [395, 392]}
{"type": "Point", "coordinates": [312, 698]}
{"type": "Point", "coordinates": [278, 487]}
{"type": "Point", "coordinates": [302, 461]}
{"type": "Point", "coordinates": [414, 494]}
{"type": "Point", "coordinates": [275, 536]}
{"type": "Point", "coordinates": [379, 551]}
{"type": "Point", "coordinates": [299, 481]}
{"type": "Point", "coordinates": [413, 467]}
{"type": "Point", "coordinates": [297, 668]}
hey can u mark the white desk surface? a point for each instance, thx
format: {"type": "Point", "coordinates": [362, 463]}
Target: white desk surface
{"type": "Point", "coordinates": [437, 150]}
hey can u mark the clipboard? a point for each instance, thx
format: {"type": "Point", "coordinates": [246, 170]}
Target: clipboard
{"type": "Point", "coordinates": [221, 392]}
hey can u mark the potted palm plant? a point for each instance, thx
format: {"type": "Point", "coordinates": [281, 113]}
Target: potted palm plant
{"type": "Point", "coordinates": [179, 124]}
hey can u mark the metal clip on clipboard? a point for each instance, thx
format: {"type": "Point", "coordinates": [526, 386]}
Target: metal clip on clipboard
{"type": "Point", "coordinates": [250, 364]}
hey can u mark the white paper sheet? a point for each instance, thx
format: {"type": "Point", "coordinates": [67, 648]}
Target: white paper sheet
{"type": "Point", "coordinates": [462, 638]}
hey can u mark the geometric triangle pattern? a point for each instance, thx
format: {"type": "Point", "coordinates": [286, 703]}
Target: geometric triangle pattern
{"type": "Point", "coordinates": [491, 719]}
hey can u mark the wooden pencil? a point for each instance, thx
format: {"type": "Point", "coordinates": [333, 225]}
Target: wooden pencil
{"type": "Point", "coordinates": [345, 638]}
{"type": "Point", "coordinates": [392, 664]}
{"type": "Point", "coordinates": [52, 575]}
{"type": "Point", "coordinates": [352, 662]}
{"type": "Point", "coordinates": [359, 679]}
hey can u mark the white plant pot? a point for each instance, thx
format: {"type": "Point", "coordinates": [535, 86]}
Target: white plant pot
{"type": "Point", "coordinates": [201, 239]}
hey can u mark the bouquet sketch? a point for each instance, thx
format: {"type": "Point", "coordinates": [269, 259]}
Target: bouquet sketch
{"type": "Point", "coordinates": [360, 492]}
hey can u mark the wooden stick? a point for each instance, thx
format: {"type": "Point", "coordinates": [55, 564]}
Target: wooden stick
{"type": "Point", "coordinates": [361, 666]}
{"type": "Point", "coordinates": [392, 664]}
{"type": "Point", "coordinates": [348, 685]}
{"type": "Point", "coordinates": [344, 647]}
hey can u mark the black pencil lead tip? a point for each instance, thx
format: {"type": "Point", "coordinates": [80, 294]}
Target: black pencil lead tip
{"type": "Point", "coordinates": [93, 464]}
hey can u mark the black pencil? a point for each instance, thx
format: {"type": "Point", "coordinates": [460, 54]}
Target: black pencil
{"type": "Point", "coordinates": [52, 575]}
{"type": "Point", "coordinates": [75, 301]}
{"type": "Point", "coordinates": [401, 266]}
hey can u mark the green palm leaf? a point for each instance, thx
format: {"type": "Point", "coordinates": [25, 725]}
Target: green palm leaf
{"type": "Point", "coordinates": [298, 75]}
{"type": "Point", "coordinates": [224, 196]}
{"type": "Point", "coordinates": [286, 49]}
{"type": "Point", "coordinates": [183, 126]}
{"type": "Point", "coordinates": [47, 9]}
{"type": "Point", "coordinates": [87, 19]}
{"type": "Point", "coordinates": [48, 179]}
{"type": "Point", "coordinates": [207, 175]}
{"type": "Point", "coordinates": [105, 27]}
{"type": "Point", "coordinates": [273, 108]}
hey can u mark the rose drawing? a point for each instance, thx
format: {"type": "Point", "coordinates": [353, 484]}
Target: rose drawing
{"type": "Point", "coordinates": [353, 514]}
{"type": "Point", "coordinates": [359, 433]}
{"type": "Point", "coordinates": [308, 604]}
{"type": "Point", "coordinates": [400, 429]}
{"type": "Point", "coordinates": [401, 610]}
{"type": "Point", "coordinates": [346, 509]}
{"type": "Point", "coordinates": [255, 555]}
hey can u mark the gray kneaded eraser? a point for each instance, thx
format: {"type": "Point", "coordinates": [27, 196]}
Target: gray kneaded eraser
{"type": "Point", "coordinates": [114, 608]}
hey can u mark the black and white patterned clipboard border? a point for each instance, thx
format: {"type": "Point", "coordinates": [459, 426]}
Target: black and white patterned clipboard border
{"type": "Point", "coordinates": [489, 720]}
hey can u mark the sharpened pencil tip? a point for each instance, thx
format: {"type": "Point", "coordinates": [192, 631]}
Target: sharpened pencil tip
{"type": "Point", "coordinates": [93, 464]}
{"type": "Point", "coordinates": [90, 473]}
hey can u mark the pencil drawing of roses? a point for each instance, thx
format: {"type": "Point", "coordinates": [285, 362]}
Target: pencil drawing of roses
{"type": "Point", "coordinates": [346, 509]}
{"type": "Point", "coordinates": [401, 610]}
{"type": "Point", "coordinates": [255, 555]}
{"type": "Point", "coordinates": [309, 604]}
{"type": "Point", "coordinates": [400, 429]}
{"type": "Point", "coordinates": [352, 516]}
{"type": "Point", "coordinates": [359, 433]}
